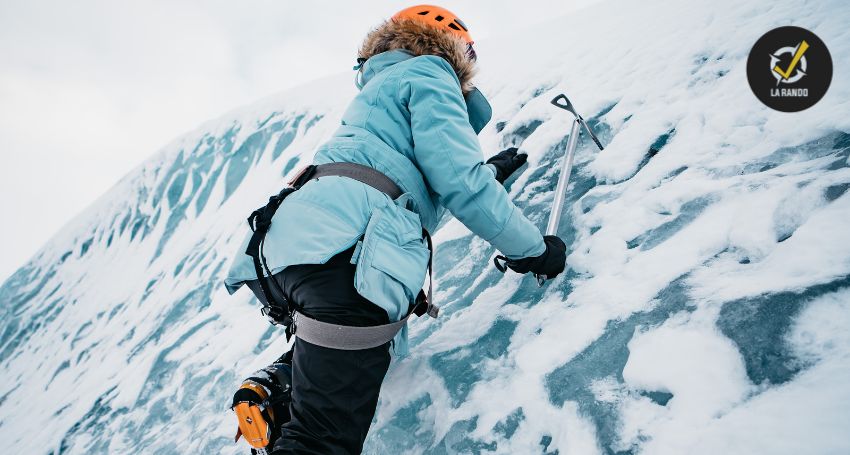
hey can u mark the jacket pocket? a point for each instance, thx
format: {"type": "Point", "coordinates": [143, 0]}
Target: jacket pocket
{"type": "Point", "coordinates": [392, 259]}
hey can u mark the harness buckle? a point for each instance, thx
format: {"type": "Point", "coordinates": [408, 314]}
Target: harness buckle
{"type": "Point", "coordinates": [303, 176]}
{"type": "Point", "coordinates": [433, 311]}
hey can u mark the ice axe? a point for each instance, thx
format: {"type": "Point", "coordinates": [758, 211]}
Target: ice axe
{"type": "Point", "coordinates": [562, 102]}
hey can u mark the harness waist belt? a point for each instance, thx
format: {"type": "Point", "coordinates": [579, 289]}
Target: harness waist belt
{"type": "Point", "coordinates": [363, 174]}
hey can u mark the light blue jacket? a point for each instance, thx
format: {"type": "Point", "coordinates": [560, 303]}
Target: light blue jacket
{"type": "Point", "coordinates": [411, 122]}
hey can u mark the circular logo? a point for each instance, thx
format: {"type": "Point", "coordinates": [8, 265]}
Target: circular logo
{"type": "Point", "coordinates": [789, 69]}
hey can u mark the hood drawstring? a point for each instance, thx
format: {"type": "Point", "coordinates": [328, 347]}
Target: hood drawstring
{"type": "Point", "coordinates": [358, 77]}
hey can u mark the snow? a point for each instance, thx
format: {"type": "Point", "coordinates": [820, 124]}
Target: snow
{"type": "Point", "coordinates": [704, 310]}
{"type": "Point", "coordinates": [783, 419]}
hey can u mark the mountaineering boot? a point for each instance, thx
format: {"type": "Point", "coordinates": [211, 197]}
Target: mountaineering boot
{"type": "Point", "coordinates": [261, 404]}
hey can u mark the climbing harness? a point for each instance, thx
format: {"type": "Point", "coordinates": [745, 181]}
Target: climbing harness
{"type": "Point", "coordinates": [276, 306]}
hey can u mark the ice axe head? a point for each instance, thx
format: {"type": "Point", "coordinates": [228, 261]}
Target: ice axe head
{"type": "Point", "coordinates": [564, 103]}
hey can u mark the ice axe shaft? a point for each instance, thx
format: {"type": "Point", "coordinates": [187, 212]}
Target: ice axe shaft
{"type": "Point", "coordinates": [566, 168]}
{"type": "Point", "coordinates": [563, 180]}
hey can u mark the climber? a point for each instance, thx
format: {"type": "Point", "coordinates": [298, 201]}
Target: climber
{"type": "Point", "coordinates": [354, 251]}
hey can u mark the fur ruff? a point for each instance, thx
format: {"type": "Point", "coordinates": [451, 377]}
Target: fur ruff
{"type": "Point", "coordinates": [421, 39]}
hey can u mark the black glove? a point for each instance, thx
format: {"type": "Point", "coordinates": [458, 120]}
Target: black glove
{"type": "Point", "coordinates": [550, 263]}
{"type": "Point", "coordinates": [507, 162]}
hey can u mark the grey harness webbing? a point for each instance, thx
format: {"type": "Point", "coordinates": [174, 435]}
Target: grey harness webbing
{"type": "Point", "coordinates": [351, 338]}
{"type": "Point", "coordinates": [361, 173]}
{"type": "Point", "coordinates": [345, 337]}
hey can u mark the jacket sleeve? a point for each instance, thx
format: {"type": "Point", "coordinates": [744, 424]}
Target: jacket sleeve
{"type": "Point", "coordinates": [448, 154]}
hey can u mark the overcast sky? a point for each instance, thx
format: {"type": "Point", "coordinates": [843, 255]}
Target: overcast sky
{"type": "Point", "coordinates": [90, 89]}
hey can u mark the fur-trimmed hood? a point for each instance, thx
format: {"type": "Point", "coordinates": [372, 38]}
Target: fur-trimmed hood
{"type": "Point", "coordinates": [421, 39]}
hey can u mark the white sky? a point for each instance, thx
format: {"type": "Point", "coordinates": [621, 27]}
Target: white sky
{"type": "Point", "coordinates": [90, 89]}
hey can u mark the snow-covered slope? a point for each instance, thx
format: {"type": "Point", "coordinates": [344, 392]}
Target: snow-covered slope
{"type": "Point", "coordinates": [706, 309]}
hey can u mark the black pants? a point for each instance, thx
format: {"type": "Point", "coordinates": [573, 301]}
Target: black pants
{"type": "Point", "coordinates": [334, 392]}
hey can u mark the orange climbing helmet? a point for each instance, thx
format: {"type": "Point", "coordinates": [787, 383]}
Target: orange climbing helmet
{"type": "Point", "coordinates": [436, 17]}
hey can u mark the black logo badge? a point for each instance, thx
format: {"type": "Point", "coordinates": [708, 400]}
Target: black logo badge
{"type": "Point", "coordinates": [789, 69]}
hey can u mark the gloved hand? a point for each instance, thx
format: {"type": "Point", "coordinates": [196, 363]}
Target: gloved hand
{"type": "Point", "coordinates": [506, 163]}
{"type": "Point", "coordinates": [550, 264]}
